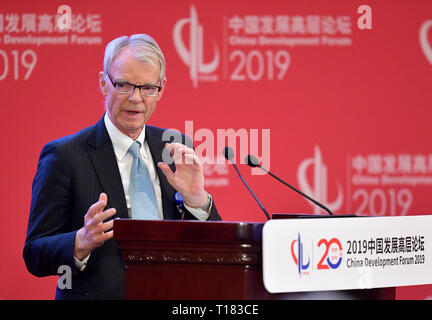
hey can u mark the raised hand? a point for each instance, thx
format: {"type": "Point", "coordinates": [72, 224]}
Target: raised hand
{"type": "Point", "coordinates": [94, 232]}
{"type": "Point", "coordinates": [188, 179]}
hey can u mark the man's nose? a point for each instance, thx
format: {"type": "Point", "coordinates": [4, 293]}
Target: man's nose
{"type": "Point", "coordinates": [135, 96]}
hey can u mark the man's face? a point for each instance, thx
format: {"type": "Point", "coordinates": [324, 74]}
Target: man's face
{"type": "Point", "coordinates": [129, 112]}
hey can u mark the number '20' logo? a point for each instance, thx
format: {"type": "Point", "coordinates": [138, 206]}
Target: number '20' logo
{"type": "Point", "coordinates": [332, 256]}
{"type": "Point", "coordinates": [330, 259]}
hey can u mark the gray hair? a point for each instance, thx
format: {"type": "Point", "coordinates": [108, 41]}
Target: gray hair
{"type": "Point", "coordinates": [143, 47]}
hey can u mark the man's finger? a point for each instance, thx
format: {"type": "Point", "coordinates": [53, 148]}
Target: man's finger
{"type": "Point", "coordinates": [96, 207]}
{"type": "Point", "coordinates": [166, 170]}
{"type": "Point", "coordinates": [105, 215]}
{"type": "Point", "coordinates": [174, 147]}
{"type": "Point", "coordinates": [103, 200]}
{"type": "Point", "coordinates": [107, 235]}
{"type": "Point", "coordinates": [183, 155]}
{"type": "Point", "coordinates": [190, 159]}
{"type": "Point", "coordinates": [108, 225]}
{"type": "Point", "coordinates": [103, 197]}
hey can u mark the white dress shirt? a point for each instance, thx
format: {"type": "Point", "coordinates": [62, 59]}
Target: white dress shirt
{"type": "Point", "coordinates": [121, 144]}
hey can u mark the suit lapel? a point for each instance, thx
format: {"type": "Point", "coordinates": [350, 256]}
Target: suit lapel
{"type": "Point", "coordinates": [105, 163]}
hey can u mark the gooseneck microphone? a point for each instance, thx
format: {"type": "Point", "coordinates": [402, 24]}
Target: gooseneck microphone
{"type": "Point", "coordinates": [253, 162]}
{"type": "Point", "coordinates": [229, 155]}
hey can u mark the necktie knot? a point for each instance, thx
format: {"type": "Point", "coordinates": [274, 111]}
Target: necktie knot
{"type": "Point", "coordinates": [134, 149]}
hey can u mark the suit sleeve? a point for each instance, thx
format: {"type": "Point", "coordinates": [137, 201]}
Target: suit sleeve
{"type": "Point", "coordinates": [49, 242]}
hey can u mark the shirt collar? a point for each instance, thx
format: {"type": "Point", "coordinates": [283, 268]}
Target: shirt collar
{"type": "Point", "coordinates": [120, 141]}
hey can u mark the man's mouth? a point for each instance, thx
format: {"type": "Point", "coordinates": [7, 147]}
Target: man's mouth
{"type": "Point", "coordinates": [132, 112]}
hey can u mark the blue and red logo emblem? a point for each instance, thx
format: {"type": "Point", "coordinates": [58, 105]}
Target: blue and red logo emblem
{"type": "Point", "coordinates": [331, 257]}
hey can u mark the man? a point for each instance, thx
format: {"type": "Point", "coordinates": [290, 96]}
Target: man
{"type": "Point", "coordinates": [117, 168]}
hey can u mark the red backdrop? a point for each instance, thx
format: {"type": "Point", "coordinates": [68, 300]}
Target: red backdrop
{"type": "Point", "coordinates": [339, 111]}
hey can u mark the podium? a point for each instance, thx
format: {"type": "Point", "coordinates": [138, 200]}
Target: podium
{"type": "Point", "coordinates": [194, 260]}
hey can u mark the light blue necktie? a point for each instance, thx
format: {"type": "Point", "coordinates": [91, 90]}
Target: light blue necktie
{"type": "Point", "coordinates": [141, 195]}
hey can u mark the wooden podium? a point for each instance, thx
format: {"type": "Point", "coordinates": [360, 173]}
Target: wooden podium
{"type": "Point", "coordinates": [193, 260]}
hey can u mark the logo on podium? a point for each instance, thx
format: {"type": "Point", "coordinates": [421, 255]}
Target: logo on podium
{"type": "Point", "coordinates": [298, 254]}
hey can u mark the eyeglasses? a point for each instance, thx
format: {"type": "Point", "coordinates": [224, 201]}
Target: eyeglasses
{"type": "Point", "coordinates": [124, 87]}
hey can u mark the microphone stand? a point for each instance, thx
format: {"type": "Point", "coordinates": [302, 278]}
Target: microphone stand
{"type": "Point", "coordinates": [253, 162]}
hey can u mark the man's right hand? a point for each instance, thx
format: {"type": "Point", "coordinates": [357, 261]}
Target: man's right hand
{"type": "Point", "coordinates": [94, 232]}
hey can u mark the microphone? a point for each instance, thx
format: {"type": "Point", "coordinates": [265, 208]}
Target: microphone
{"type": "Point", "coordinates": [253, 162]}
{"type": "Point", "coordinates": [229, 155]}
{"type": "Point", "coordinates": [178, 199]}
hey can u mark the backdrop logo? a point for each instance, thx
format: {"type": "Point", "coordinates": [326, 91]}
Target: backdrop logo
{"type": "Point", "coordinates": [319, 189]}
{"type": "Point", "coordinates": [424, 42]}
{"type": "Point", "coordinates": [299, 256]}
{"type": "Point", "coordinates": [194, 56]}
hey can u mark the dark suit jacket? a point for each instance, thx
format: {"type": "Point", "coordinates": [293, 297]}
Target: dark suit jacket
{"type": "Point", "coordinates": [72, 172]}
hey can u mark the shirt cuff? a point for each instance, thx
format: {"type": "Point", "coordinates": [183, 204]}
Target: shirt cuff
{"type": "Point", "coordinates": [81, 264]}
{"type": "Point", "coordinates": [202, 213]}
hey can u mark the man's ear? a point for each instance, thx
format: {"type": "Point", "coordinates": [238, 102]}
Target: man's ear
{"type": "Point", "coordinates": [102, 83]}
{"type": "Point", "coordinates": [163, 85]}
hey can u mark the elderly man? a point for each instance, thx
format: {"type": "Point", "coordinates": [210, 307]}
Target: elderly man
{"type": "Point", "coordinates": [115, 169]}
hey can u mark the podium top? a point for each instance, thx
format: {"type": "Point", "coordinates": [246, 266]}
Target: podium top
{"type": "Point", "coordinates": [188, 231]}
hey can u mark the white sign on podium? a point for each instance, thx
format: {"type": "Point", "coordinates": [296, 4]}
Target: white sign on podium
{"type": "Point", "coordinates": [346, 253]}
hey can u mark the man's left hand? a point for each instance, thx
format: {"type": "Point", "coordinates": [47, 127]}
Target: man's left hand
{"type": "Point", "coordinates": [188, 179]}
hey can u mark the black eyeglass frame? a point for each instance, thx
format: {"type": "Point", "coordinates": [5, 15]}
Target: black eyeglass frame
{"type": "Point", "coordinates": [114, 83]}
